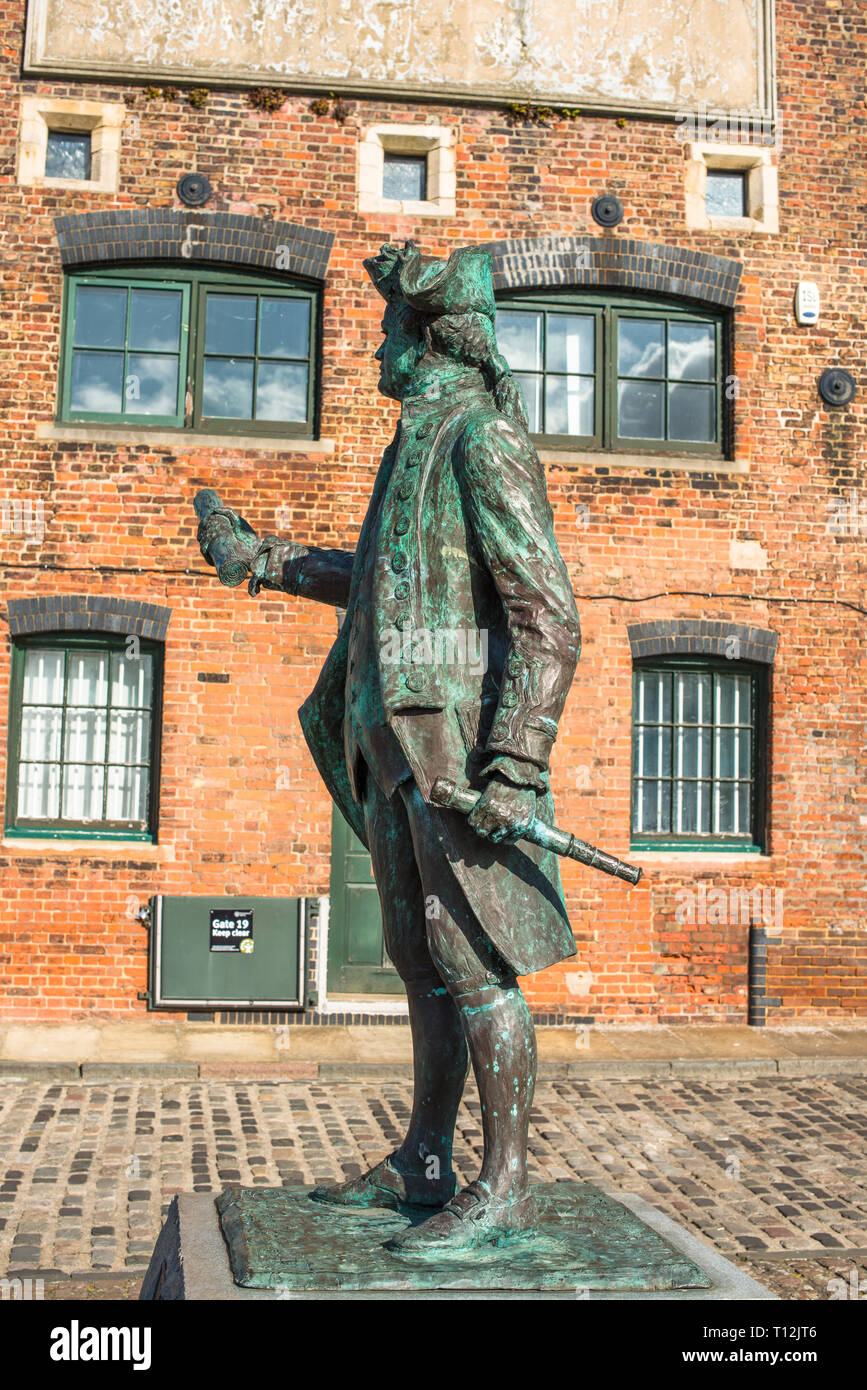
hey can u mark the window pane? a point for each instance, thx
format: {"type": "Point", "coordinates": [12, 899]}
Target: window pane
{"type": "Point", "coordinates": [129, 739]}
{"type": "Point", "coordinates": [651, 812]}
{"type": "Point", "coordinates": [519, 338]}
{"type": "Point", "coordinates": [284, 327]}
{"type": "Point", "coordinates": [640, 347]}
{"type": "Point", "coordinates": [692, 808]}
{"type": "Point", "coordinates": [40, 732]}
{"type": "Point", "coordinates": [38, 791]}
{"type": "Point", "coordinates": [653, 697]}
{"type": "Point", "coordinates": [84, 736]}
{"type": "Point", "coordinates": [281, 391]}
{"type": "Point", "coordinates": [692, 698]}
{"type": "Point", "coordinates": [725, 194]}
{"type": "Point", "coordinates": [733, 699]}
{"type": "Point", "coordinates": [531, 390]}
{"type": "Point", "coordinates": [691, 413]}
{"type": "Point", "coordinates": [571, 343]}
{"type": "Point", "coordinates": [227, 390]}
{"type": "Point", "coordinates": [404, 176]}
{"type": "Point", "coordinates": [43, 678]}
{"type": "Point", "coordinates": [131, 680]}
{"type": "Point", "coordinates": [151, 385]}
{"type": "Point", "coordinates": [155, 320]}
{"type": "Point", "coordinates": [82, 791]}
{"type": "Point", "coordinates": [100, 317]}
{"type": "Point", "coordinates": [651, 750]}
{"type": "Point", "coordinates": [641, 413]}
{"type": "Point", "coordinates": [127, 794]}
{"type": "Point", "coordinates": [692, 752]}
{"type": "Point", "coordinates": [732, 809]}
{"type": "Point", "coordinates": [68, 154]}
{"type": "Point", "coordinates": [230, 324]}
{"type": "Point", "coordinates": [88, 678]}
{"type": "Point", "coordinates": [691, 351]}
{"type": "Point", "coordinates": [733, 752]}
{"type": "Point", "coordinates": [569, 405]}
{"type": "Point", "coordinates": [97, 382]}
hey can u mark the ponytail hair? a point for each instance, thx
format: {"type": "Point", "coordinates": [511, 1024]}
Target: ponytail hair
{"type": "Point", "coordinates": [470, 338]}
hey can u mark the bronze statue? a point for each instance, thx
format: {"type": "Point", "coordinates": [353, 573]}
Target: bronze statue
{"type": "Point", "coordinates": [454, 661]}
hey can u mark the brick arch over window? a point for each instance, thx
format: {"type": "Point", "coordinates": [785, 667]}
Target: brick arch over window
{"type": "Point", "coordinates": [615, 263]}
{"type": "Point", "coordinates": [168, 234]}
{"type": "Point", "coordinates": [87, 613]}
{"type": "Point", "coordinates": [700, 637]}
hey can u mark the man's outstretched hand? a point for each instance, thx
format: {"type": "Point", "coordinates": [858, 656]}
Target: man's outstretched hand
{"type": "Point", "coordinates": [503, 813]}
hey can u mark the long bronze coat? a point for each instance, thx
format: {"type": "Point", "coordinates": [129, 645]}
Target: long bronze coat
{"type": "Point", "coordinates": [460, 534]}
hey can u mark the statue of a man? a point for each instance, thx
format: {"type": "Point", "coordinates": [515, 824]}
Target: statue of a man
{"type": "Point", "coordinates": [454, 660]}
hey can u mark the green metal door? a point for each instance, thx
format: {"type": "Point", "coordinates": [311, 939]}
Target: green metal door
{"type": "Point", "coordinates": [357, 961]}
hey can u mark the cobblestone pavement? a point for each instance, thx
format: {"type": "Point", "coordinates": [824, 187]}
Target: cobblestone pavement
{"type": "Point", "coordinates": [758, 1167]}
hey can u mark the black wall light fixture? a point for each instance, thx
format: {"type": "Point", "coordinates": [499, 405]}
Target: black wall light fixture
{"type": "Point", "coordinates": [607, 210]}
{"type": "Point", "coordinates": [194, 190]}
{"type": "Point", "coordinates": [836, 387]}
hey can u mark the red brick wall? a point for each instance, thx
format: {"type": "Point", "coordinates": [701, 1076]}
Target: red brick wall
{"type": "Point", "coordinates": [242, 810]}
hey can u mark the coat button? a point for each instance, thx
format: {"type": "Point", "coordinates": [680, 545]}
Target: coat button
{"type": "Point", "coordinates": [499, 730]}
{"type": "Point", "coordinates": [401, 526]}
{"type": "Point", "coordinates": [405, 491]}
{"type": "Point", "coordinates": [508, 699]}
{"type": "Point", "coordinates": [515, 666]}
{"type": "Point", "coordinates": [424, 430]}
{"type": "Point", "coordinates": [403, 620]}
{"type": "Point", "coordinates": [414, 460]}
{"type": "Point", "coordinates": [398, 561]}
{"type": "Point", "coordinates": [401, 590]}
{"type": "Point", "coordinates": [415, 681]}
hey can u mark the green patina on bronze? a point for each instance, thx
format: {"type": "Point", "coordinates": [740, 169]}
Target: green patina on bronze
{"type": "Point", "coordinates": [454, 661]}
{"type": "Point", "coordinates": [279, 1239]}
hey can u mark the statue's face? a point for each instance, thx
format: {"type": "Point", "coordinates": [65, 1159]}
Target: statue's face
{"type": "Point", "coordinates": [399, 355]}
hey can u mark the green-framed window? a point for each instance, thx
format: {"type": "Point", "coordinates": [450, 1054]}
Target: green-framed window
{"type": "Point", "coordinates": [84, 723]}
{"type": "Point", "coordinates": [196, 349]}
{"type": "Point", "coordinates": [619, 374]}
{"type": "Point", "coordinates": [699, 732]}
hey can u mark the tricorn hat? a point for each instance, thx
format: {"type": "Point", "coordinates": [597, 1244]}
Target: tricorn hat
{"type": "Point", "coordinates": [461, 285]}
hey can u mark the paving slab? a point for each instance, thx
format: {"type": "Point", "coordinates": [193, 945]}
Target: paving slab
{"type": "Point", "coordinates": [36, 1042]}
{"type": "Point", "coordinates": [563, 1044]}
{"type": "Point", "coordinates": [39, 1071]}
{"type": "Point", "coordinates": [121, 1071]}
{"type": "Point", "coordinates": [146, 1040]}
{"type": "Point", "coordinates": [734, 1041]}
{"type": "Point", "coordinates": [723, 1069]}
{"type": "Point", "coordinates": [823, 1066]}
{"type": "Point", "coordinates": [230, 1044]}
{"type": "Point", "coordinates": [820, 1042]}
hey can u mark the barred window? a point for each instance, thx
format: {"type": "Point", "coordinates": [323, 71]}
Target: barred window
{"type": "Point", "coordinates": [84, 729]}
{"type": "Point", "coordinates": [697, 755]}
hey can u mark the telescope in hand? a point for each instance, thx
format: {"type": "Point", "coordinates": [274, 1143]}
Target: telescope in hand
{"type": "Point", "coordinates": [445, 793]}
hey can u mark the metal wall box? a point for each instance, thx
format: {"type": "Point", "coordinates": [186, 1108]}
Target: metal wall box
{"type": "Point", "coordinates": [239, 953]}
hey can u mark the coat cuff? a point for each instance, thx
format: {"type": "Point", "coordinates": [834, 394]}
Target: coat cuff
{"type": "Point", "coordinates": [515, 739]}
{"type": "Point", "coordinates": [519, 772]}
